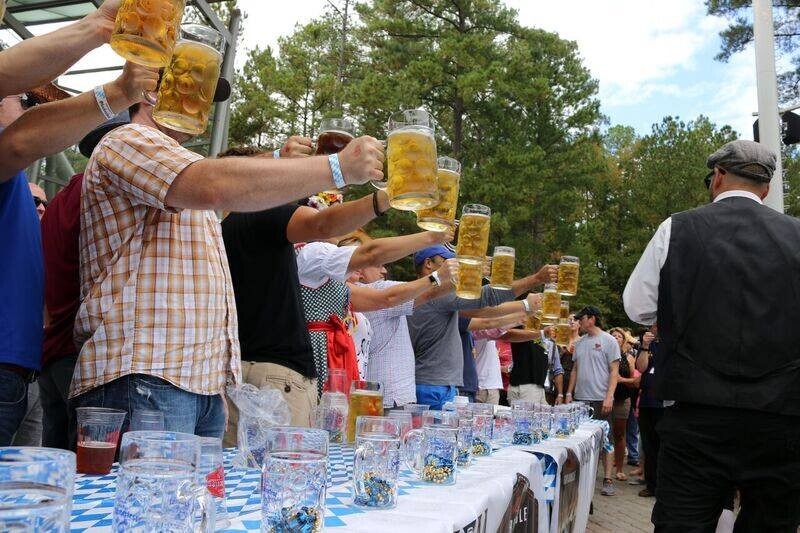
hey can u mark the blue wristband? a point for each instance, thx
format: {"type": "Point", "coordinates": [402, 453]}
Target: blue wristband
{"type": "Point", "coordinates": [336, 170]}
{"type": "Point", "coordinates": [276, 154]}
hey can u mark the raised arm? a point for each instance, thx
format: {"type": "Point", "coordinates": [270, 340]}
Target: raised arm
{"type": "Point", "coordinates": [534, 303]}
{"type": "Point", "coordinates": [520, 335]}
{"type": "Point", "coordinates": [387, 250]}
{"type": "Point", "coordinates": [500, 322]}
{"type": "Point", "coordinates": [40, 60]}
{"type": "Point", "coordinates": [546, 274]}
{"type": "Point", "coordinates": [50, 128]}
{"type": "Point", "coordinates": [308, 224]}
{"type": "Point", "coordinates": [256, 183]}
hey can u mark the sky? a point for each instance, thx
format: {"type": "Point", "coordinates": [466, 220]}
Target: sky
{"type": "Point", "coordinates": [652, 58]}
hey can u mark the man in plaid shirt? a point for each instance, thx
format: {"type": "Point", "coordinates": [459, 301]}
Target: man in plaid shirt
{"type": "Point", "coordinates": [157, 323]}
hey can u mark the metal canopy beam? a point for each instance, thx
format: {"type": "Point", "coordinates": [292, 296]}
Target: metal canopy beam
{"type": "Point", "coordinates": [51, 4]}
{"type": "Point", "coordinates": [212, 17]}
{"type": "Point", "coordinates": [219, 137]}
{"type": "Point", "coordinates": [18, 27]}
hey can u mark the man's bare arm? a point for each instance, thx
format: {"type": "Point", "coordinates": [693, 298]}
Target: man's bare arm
{"type": "Point", "coordinates": [40, 60]}
{"type": "Point", "coordinates": [546, 274]}
{"type": "Point", "coordinates": [50, 128]}
{"type": "Point", "coordinates": [308, 224]}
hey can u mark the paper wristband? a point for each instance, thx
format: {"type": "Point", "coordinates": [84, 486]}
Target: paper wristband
{"type": "Point", "coordinates": [102, 102]}
{"type": "Point", "coordinates": [336, 170]}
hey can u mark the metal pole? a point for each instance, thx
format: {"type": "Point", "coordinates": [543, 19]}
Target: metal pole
{"type": "Point", "coordinates": [221, 110]}
{"type": "Point", "coordinates": [768, 119]}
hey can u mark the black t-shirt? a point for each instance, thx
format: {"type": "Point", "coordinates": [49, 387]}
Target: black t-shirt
{"type": "Point", "coordinates": [272, 326]}
{"type": "Point", "coordinates": [530, 363]}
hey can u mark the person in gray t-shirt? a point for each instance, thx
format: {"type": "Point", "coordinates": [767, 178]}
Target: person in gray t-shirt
{"type": "Point", "coordinates": [434, 328]}
{"type": "Point", "coordinates": [594, 375]}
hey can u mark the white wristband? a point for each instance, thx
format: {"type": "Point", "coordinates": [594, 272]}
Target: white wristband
{"type": "Point", "coordinates": [102, 102]}
{"type": "Point", "coordinates": [527, 306]}
{"type": "Point", "coordinates": [276, 154]}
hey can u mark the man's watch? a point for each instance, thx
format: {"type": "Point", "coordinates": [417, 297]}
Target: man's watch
{"type": "Point", "coordinates": [434, 279]}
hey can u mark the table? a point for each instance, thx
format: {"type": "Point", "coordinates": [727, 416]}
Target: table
{"type": "Point", "coordinates": [476, 502]}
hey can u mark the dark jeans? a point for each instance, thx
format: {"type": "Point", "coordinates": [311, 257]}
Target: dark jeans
{"type": "Point", "coordinates": [648, 419]}
{"type": "Point", "coordinates": [632, 436]}
{"type": "Point", "coordinates": [707, 452]}
{"type": "Point", "coordinates": [58, 431]}
{"type": "Point", "coordinates": [13, 404]}
{"type": "Point", "coordinates": [184, 411]}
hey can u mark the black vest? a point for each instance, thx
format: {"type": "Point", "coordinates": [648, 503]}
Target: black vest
{"type": "Point", "coordinates": [729, 308]}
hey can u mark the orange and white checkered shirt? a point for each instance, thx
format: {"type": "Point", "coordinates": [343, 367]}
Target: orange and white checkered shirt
{"type": "Point", "coordinates": [156, 290]}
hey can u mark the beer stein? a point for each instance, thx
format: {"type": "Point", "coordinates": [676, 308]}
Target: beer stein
{"type": "Point", "coordinates": [432, 453]}
{"type": "Point", "coordinates": [331, 415]}
{"type": "Point", "coordinates": [568, 270]}
{"type": "Point", "coordinates": [551, 303]}
{"type": "Point", "coordinates": [473, 234]}
{"type": "Point", "coordinates": [561, 422]}
{"type": "Point", "coordinates": [411, 161]}
{"type": "Point", "coordinates": [377, 462]}
{"type": "Point", "coordinates": [466, 431]}
{"type": "Point", "coordinates": [483, 424]}
{"type": "Point", "coordinates": [294, 479]}
{"type": "Point", "coordinates": [334, 135]}
{"type": "Point", "coordinates": [366, 399]}
{"type": "Point", "coordinates": [157, 484]}
{"type": "Point", "coordinates": [416, 410]}
{"type": "Point", "coordinates": [502, 267]}
{"type": "Point", "coordinates": [470, 281]}
{"type": "Point", "coordinates": [145, 30]}
{"type": "Point", "coordinates": [441, 217]}
{"type": "Point", "coordinates": [189, 82]}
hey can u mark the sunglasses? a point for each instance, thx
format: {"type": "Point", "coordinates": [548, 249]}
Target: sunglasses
{"type": "Point", "coordinates": [710, 176]}
{"type": "Point", "coordinates": [38, 201]}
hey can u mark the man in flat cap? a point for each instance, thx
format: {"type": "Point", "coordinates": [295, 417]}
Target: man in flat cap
{"type": "Point", "coordinates": [723, 282]}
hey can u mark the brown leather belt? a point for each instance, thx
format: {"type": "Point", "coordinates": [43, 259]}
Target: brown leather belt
{"type": "Point", "coordinates": [27, 375]}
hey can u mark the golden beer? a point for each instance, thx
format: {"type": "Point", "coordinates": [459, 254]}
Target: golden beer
{"type": "Point", "coordinates": [411, 161]}
{"type": "Point", "coordinates": [551, 302]}
{"type": "Point", "coordinates": [470, 278]}
{"type": "Point", "coordinates": [563, 333]}
{"type": "Point", "coordinates": [363, 402]}
{"type": "Point", "coordinates": [564, 315]}
{"type": "Point", "coordinates": [473, 234]}
{"type": "Point", "coordinates": [187, 88]}
{"type": "Point", "coordinates": [568, 276]}
{"type": "Point", "coordinates": [534, 322]}
{"type": "Point", "coordinates": [503, 267]}
{"type": "Point", "coordinates": [145, 30]}
{"type": "Point", "coordinates": [442, 216]}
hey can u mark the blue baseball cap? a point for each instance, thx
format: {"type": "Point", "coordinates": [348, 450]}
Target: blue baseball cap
{"type": "Point", "coordinates": [432, 251]}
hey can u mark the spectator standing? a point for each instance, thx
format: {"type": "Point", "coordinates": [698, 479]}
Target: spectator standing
{"type": "Point", "coordinates": [626, 384]}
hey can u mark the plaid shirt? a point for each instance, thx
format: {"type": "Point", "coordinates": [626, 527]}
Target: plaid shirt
{"type": "Point", "coordinates": [156, 290]}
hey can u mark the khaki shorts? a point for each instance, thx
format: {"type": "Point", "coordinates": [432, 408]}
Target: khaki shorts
{"type": "Point", "coordinates": [299, 392]}
{"type": "Point", "coordinates": [621, 409]}
{"type": "Point", "coordinates": [491, 396]}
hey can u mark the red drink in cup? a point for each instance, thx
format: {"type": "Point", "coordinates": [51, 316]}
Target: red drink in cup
{"type": "Point", "coordinates": [98, 436]}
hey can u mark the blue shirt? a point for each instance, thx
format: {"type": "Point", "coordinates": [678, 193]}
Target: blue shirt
{"type": "Point", "coordinates": [21, 276]}
{"type": "Point", "coordinates": [470, 369]}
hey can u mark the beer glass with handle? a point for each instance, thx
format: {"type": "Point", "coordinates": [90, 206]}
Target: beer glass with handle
{"type": "Point", "coordinates": [568, 270]}
{"type": "Point", "coordinates": [190, 81]}
{"type": "Point", "coordinates": [503, 267]}
{"type": "Point", "coordinates": [411, 161]}
{"type": "Point", "coordinates": [441, 217]}
{"type": "Point", "coordinates": [145, 30]}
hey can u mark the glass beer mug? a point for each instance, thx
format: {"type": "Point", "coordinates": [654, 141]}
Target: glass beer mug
{"type": "Point", "coordinates": [551, 302]}
{"type": "Point", "coordinates": [470, 277]}
{"type": "Point", "coordinates": [190, 81]}
{"type": "Point", "coordinates": [442, 216]}
{"type": "Point", "coordinates": [366, 399]}
{"type": "Point", "coordinates": [145, 30]}
{"type": "Point", "coordinates": [377, 462]}
{"type": "Point", "coordinates": [473, 234]}
{"type": "Point", "coordinates": [432, 452]}
{"type": "Point", "coordinates": [502, 267]}
{"type": "Point", "coordinates": [411, 161]}
{"type": "Point", "coordinates": [334, 135]}
{"type": "Point", "coordinates": [568, 270]}
{"type": "Point", "coordinates": [563, 332]}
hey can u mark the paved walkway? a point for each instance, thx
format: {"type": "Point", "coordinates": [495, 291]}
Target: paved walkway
{"type": "Point", "coordinates": [625, 512]}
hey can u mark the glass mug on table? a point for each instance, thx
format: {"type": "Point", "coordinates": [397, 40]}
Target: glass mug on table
{"type": "Point", "coordinates": [376, 462]}
{"type": "Point", "coordinates": [432, 452]}
{"type": "Point", "coordinates": [568, 270]}
{"type": "Point", "coordinates": [466, 434]}
{"type": "Point", "coordinates": [502, 267]}
{"type": "Point", "coordinates": [211, 472]}
{"type": "Point", "coordinates": [294, 480]}
{"type": "Point", "coordinates": [473, 234]}
{"type": "Point", "coordinates": [366, 399]}
{"type": "Point", "coordinates": [561, 422]}
{"type": "Point", "coordinates": [331, 415]}
{"type": "Point", "coordinates": [416, 410]}
{"type": "Point", "coordinates": [145, 30]}
{"type": "Point", "coordinates": [523, 422]}
{"type": "Point", "coordinates": [98, 435]}
{"type": "Point", "coordinates": [483, 426]}
{"type": "Point", "coordinates": [157, 484]}
{"type": "Point", "coordinates": [442, 216]}
{"type": "Point", "coordinates": [411, 160]}
{"type": "Point", "coordinates": [36, 488]}
{"type": "Point", "coordinates": [405, 419]}
{"type": "Point", "coordinates": [187, 88]}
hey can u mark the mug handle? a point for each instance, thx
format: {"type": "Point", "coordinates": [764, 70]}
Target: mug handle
{"type": "Point", "coordinates": [150, 97]}
{"type": "Point", "coordinates": [412, 444]}
{"type": "Point", "coordinates": [207, 510]}
{"type": "Point", "coordinates": [362, 453]}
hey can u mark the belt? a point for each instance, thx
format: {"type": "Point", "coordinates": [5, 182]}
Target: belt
{"type": "Point", "coordinates": [27, 375]}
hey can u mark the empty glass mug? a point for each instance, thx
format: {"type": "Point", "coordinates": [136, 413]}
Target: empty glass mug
{"type": "Point", "coordinates": [376, 462]}
{"type": "Point", "coordinates": [432, 452]}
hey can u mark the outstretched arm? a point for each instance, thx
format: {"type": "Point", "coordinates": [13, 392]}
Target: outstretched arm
{"type": "Point", "coordinates": [40, 60]}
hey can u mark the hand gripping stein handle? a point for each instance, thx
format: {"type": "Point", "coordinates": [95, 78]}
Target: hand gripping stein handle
{"type": "Point", "coordinates": [381, 184]}
{"type": "Point", "coordinates": [412, 444]}
{"type": "Point", "coordinates": [150, 97]}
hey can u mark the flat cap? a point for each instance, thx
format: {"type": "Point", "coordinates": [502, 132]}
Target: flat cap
{"type": "Point", "coordinates": [745, 158]}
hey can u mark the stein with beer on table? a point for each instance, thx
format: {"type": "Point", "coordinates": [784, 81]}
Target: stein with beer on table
{"type": "Point", "coordinates": [145, 31]}
{"type": "Point", "coordinates": [190, 81]}
{"type": "Point", "coordinates": [366, 399]}
{"type": "Point", "coordinates": [412, 182]}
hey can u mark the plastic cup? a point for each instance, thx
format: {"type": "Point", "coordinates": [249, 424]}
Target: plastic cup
{"type": "Point", "coordinates": [147, 420]}
{"type": "Point", "coordinates": [98, 436]}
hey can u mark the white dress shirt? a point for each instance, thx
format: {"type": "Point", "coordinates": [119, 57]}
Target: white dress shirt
{"type": "Point", "coordinates": [318, 262]}
{"type": "Point", "coordinates": [641, 291]}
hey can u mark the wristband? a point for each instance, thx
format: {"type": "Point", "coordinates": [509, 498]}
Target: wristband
{"type": "Point", "coordinates": [527, 306]}
{"type": "Point", "coordinates": [435, 279]}
{"type": "Point", "coordinates": [569, 394]}
{"type": "Point", "coordinates": [336, 170]}
{"type": "Point", "coordinates": [276, 154]}
{"type": "Point", "coordinates": [102, 102]}
{"type": "Point", "coordinates": [378, 212]}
